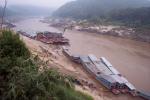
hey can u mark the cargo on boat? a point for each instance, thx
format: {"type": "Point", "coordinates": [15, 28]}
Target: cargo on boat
{"type": "Point", "coordinates": [51, 38]}
{"type": "Point", "coordinates": [143, 94]}
{"type": "Point", "coordinates": [26, 34]}
{"type": "Point", "coordinates": [46, 37]}
{"type": "Point", "coordinates": [75, 58]}
{"type": "Point", "coordinates": [104, 72]}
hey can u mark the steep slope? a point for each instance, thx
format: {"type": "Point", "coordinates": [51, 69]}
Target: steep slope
{"type": "Point", "coordinates": [21, 78]}
{"type": "Point", "coordinates": [88, 8]}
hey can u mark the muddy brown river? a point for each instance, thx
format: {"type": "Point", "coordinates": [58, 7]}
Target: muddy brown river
{"type": "Point", "coordinates": [131, 58]}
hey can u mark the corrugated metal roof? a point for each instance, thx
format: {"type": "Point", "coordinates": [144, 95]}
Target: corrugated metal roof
{"type": "Point", "coordinates": [107, 71]}
{"type": "Point", "coordinates": [145, 95]}
{"type": "Point", "coordinates": [92, 58]}
{"type": "Point", "coordinates": [118, 79]}
{"type": "Point", "coordinates": [84, 59]}
{"type": "Point", "coordinates": [124, 79]}
{"type": "Point", "coordinates": [103, 68]}
{"type": "Point", "coordinates": [114, 71]}
{"type": "Point", "coordinates": [108, 78]}
{"type": "Point", "coordinates": [130, 86]}
{"type": "Point", "coordinates": [106, 62]}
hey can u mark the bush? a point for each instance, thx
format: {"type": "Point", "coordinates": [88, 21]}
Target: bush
{"type": "Point", "coordinates": [11, 49]}
{"type": "Point", "coordinates": [20, 78]}
{"type": "Point", "coordinates": [12, 46]}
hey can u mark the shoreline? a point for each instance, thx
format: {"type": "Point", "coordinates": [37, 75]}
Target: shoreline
{"type": "Point", "coordinates": [110, 30]}
{"type": "Point", "coordinates": [125, 54]}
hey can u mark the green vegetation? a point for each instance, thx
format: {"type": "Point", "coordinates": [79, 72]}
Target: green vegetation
{"type": "Point", "coordinates": [84, 9]}
{"type": "Point", "coordinates": [135, 13]}
{"type": "Point", "coordinates": [137, 17]}
{"type": "Point", "coordinates": [20, 78]}
{"type": "Point", "coordinates": [131, 17]}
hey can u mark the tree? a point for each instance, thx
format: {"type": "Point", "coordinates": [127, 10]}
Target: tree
{"type": "Point", "coordinates": [3, 14]}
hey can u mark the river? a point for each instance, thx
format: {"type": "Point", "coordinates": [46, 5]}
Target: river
{"type": "Point", "coordinates": [131, 58]}
{"type": "Point", "coordinates": [33, 25]}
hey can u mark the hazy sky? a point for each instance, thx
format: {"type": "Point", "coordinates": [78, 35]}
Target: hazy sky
{"type": "Point", "coordinates": [43, 3]}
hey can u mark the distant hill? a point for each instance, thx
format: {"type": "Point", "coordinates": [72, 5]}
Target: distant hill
{"type": "Point", "coordinates": [132, 16]}
{"type": "Point", "coordinates": [26, 10]}
{"type": "Point", "coordinates": [8, 12]}
{"type": "Point", "coordinates": [30, 10]}
{"type": "Point", "coordinates": [90, 8]}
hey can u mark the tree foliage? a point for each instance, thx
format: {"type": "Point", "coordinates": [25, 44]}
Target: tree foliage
{"type": "Point", "coordinates": [136, 17]}
{"type": "Point", "coordinates": [89, 8]}
{"type": "Point", "coordinates": [134, 13]}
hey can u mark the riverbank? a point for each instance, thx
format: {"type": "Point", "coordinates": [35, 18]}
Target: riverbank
{"type": "Point", "coordinates": [138, 34]}
{"type": "Point", "coordinates": [126, 55]}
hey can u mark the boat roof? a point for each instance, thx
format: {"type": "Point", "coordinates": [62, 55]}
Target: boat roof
{"type": "Point", "coordinates": [103, 68]}
{"type": "Point", "coordinates": [89, 64]}
{"type": "Point", "coordinates": [93, 58]}
{"type": "Point", "coordinates": [106, 62]}
{"type": "Point", "coordinates": [114, 71]}
{"type": "Point", "coordinates": [49, 32]}
{"type": "Point", "coordinates": [130, 86]}
{"type": "Point", "coordinates": [108, 78]}
{"type": "Point", "coordinates": [84, 59]}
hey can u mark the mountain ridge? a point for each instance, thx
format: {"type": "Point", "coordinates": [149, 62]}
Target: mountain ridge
{"type": "Point", "coordinates": [88, 8]}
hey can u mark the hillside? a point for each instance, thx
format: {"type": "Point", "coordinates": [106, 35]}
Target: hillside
{"type": "Point", "coordinates": [88, 8]}
{"type": "Point", "coordinates": [136, 17]}
{"type": "Point", "coordinates": [27, 77]}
